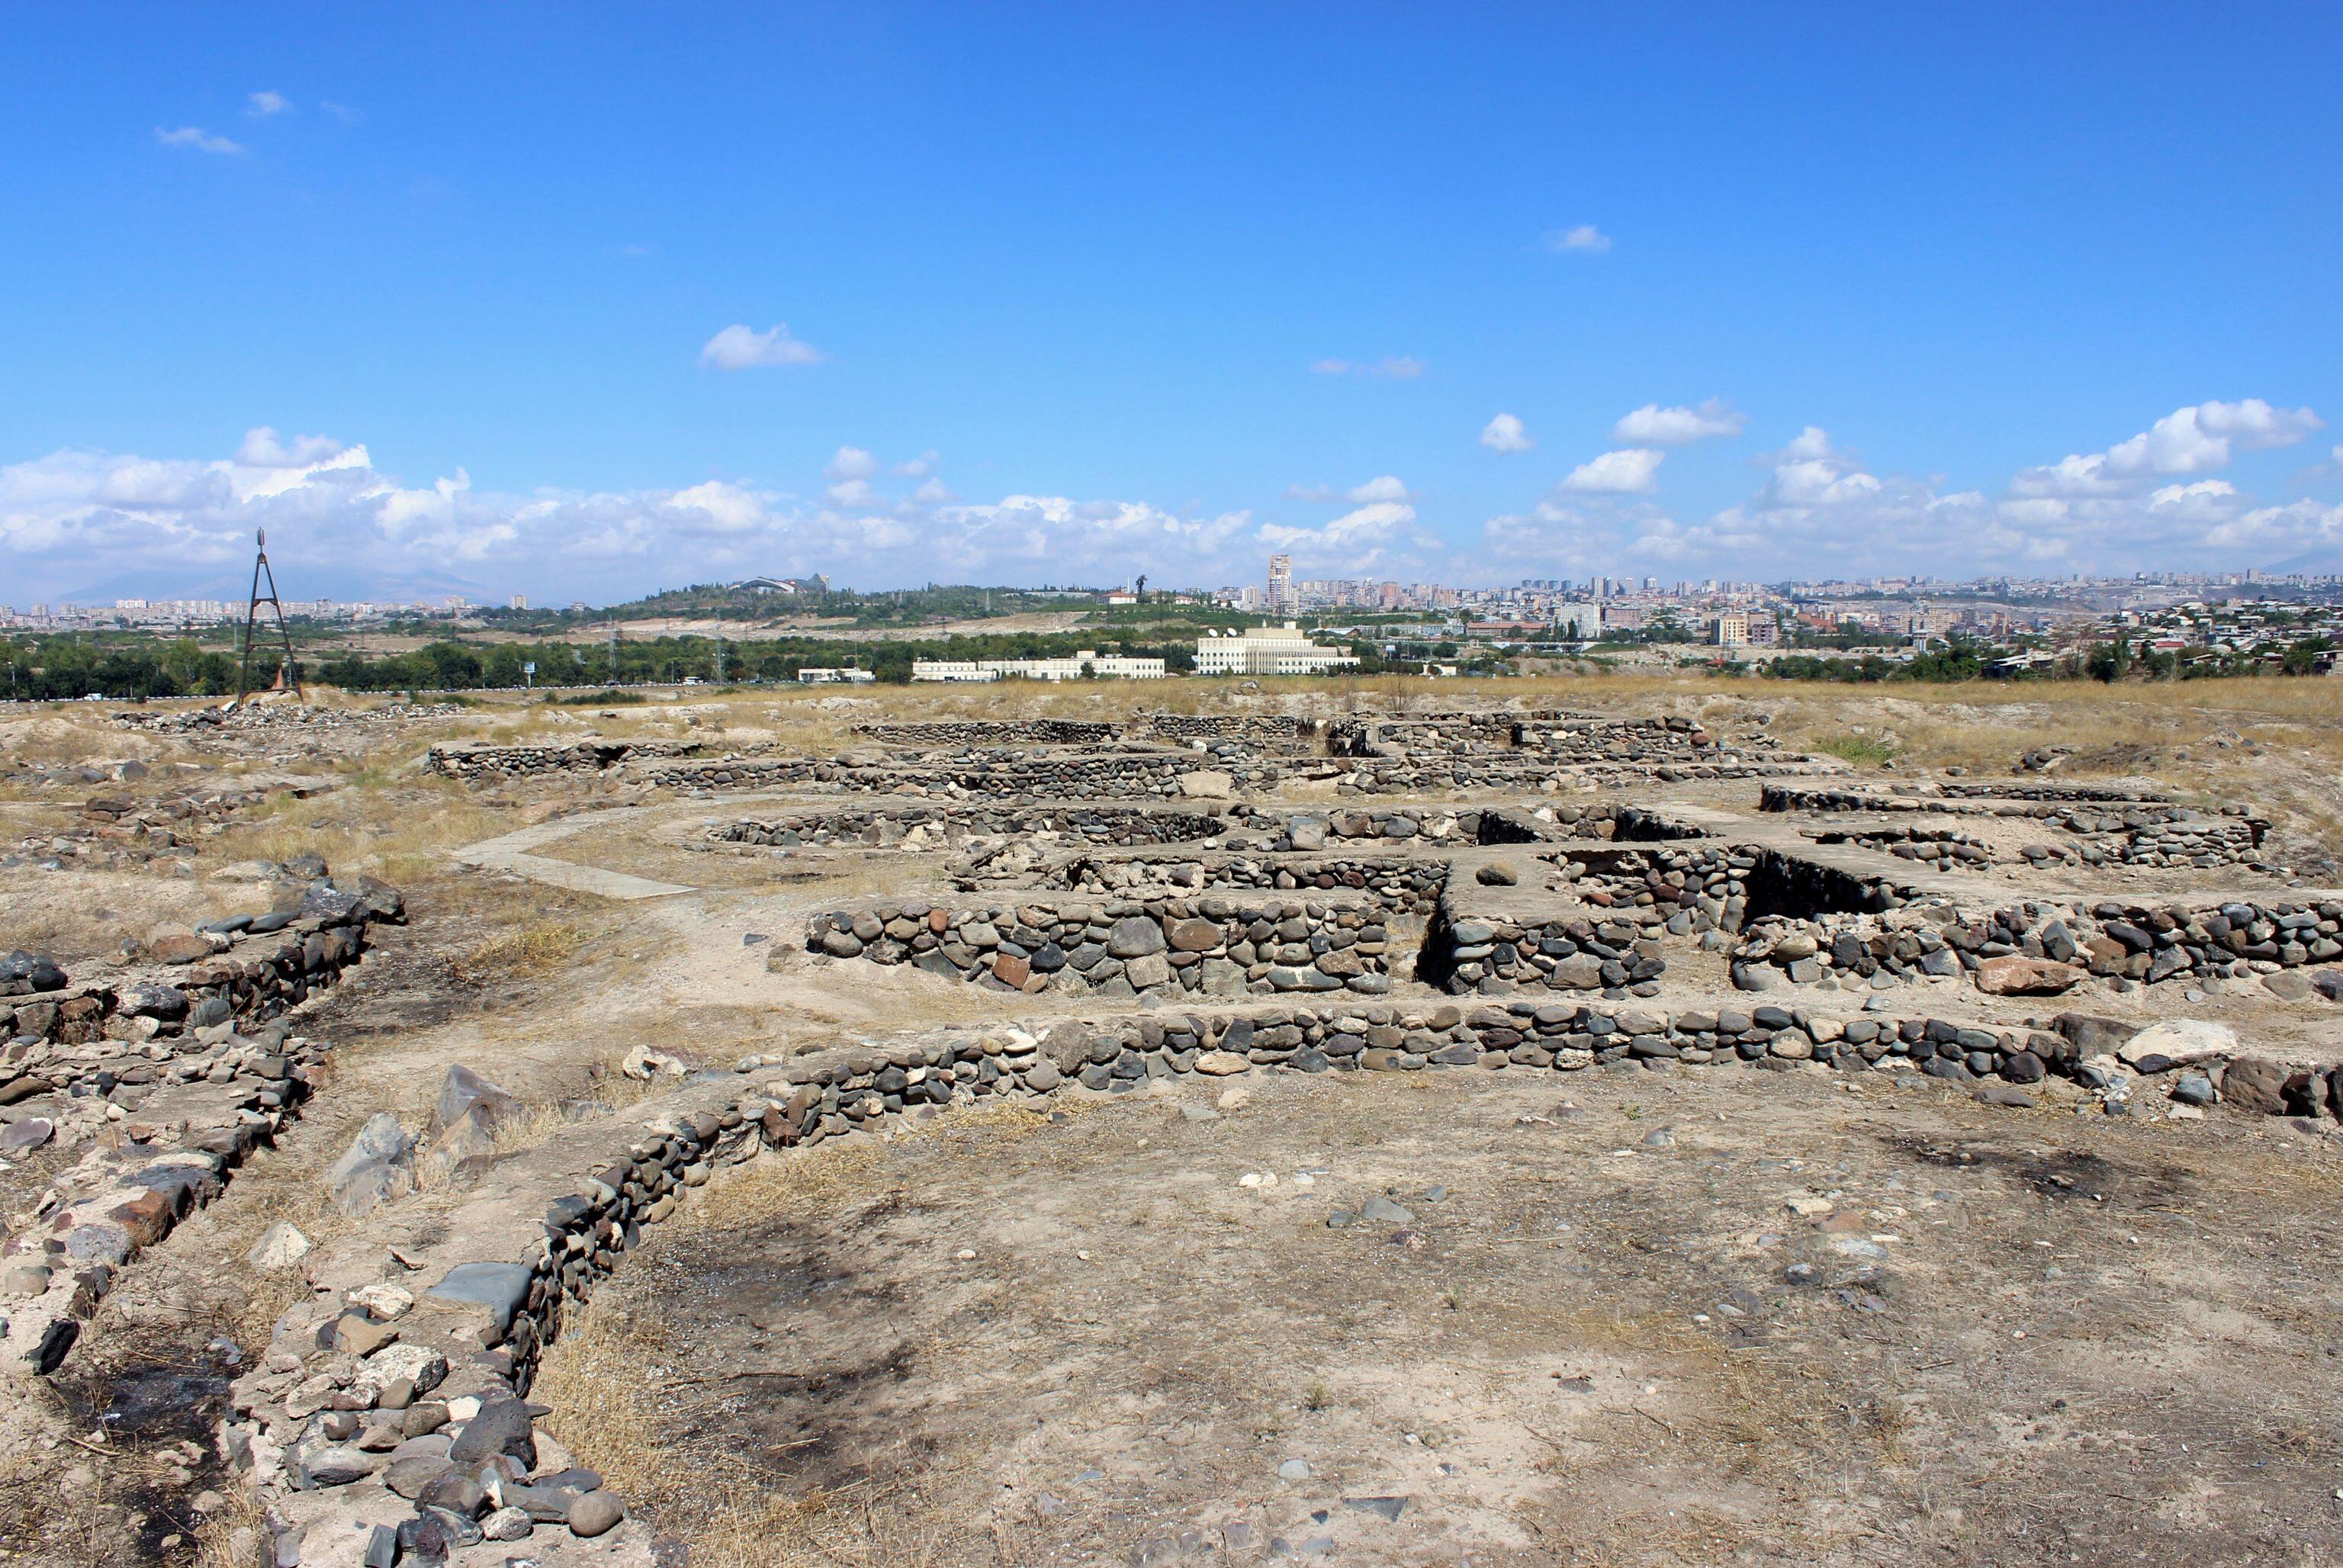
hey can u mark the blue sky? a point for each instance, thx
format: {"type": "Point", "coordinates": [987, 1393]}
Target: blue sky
{"type": "Point", "coordinates": [487, 296]}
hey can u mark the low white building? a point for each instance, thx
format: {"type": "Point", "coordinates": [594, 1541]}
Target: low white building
{"type": "Point", "coordinates": [951, 669]}
{"type": "Point", "coordinates": [1267, 650]}
{"type": "Point", "coordinates": [829, 676]}
{"type": "Point", "coordinates": [1073, 667]}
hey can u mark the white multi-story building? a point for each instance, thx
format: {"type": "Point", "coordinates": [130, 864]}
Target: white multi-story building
{"type": "Point", "coordinates": [1578, 622]}
{"type": "Point", "coordinates": [1267, 650]}
{"type": "Point", "coordinates": [1074, 667]}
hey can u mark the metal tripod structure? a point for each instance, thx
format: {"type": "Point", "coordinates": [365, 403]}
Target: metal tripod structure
{"type": "Point", "coordinates": [288, 673]}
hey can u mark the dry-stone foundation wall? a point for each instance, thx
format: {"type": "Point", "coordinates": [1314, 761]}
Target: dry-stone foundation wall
{"type": "Point", "coordinates": [887, 827]}
{"type": "Point", "coordinates": [1411, 885]}
{"type": "Point", "coordinates": [1162, 774]}
{"type": "Point", "coordinates": [1938, 848]}
{"type": "Point", "coordinates": [1281, 731]}
{"type": "Point", "coordinates": [1683, 889]}
{"type": "Point", "coordinates": [170, 1078]}
{"type": "Point", "coordinates": [474, 763]}
{"type": "Point", "coordinates": [1155, 947]}
{"type": "Point", "coordinates": [389, 1422]}
{"type": "Point", "coordinates": [277, 716]}
{"type": "Point", "coordinates": [991, 732]}
{"type": "Point", "coordinates": [2038, 948]}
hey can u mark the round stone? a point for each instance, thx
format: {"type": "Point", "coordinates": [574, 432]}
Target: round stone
{"type": "Point", "coordinates": [596, 1513]}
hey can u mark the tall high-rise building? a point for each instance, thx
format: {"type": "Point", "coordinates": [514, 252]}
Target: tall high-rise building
{"type": "Point", "coordinates": [1281, 582]}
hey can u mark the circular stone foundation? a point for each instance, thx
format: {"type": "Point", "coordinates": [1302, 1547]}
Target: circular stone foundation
{"type": "Point", "coordinates": [1485, 1318]}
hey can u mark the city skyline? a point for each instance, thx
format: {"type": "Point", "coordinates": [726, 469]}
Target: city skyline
{"type": "Point", "coordinates": [1023, 297]}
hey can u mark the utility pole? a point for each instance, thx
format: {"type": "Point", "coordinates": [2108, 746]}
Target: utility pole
{"type": "Point", "coordinates": [285, 672]}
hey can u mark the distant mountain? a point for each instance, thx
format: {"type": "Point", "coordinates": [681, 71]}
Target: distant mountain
{"type": "Point", "coordinates": [2319, 561]}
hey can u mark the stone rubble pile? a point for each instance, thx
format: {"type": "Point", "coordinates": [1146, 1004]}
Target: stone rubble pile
{"type": "Point", "coordinates": [117, 832]}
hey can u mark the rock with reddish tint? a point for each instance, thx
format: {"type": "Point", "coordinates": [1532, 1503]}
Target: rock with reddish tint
{"type": "Point", "coordinates": [2014, 974]}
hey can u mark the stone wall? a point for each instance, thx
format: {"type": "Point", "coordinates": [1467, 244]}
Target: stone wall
{"type": "Point", "coordinates": [1310, 831]}
{"type": "Point", "coordinates": [991, 732]}
{"type": "Point", "coordinates": [1210, 945]}
{"type": "Point", "coordinates": [1526, 771]}
{"type": "Point", "coordinates": [388, 1423]}
{"type": "Point", "coordinates": [1277, 730]}
{"type": "Point", "coordinates": [1938, 848]}
{"type": "Point", "coordinates": [1480, 942]}
{"type": "Point", "coordinates": [282, 716]}
{"type": "Point", "coordinates": [168, 1082]}
{"type": "Point", "coordinates": [880, 827]}
{"type": "Point", "coordinates": [2117, 942]}
{"type": "Point", "coordinates": [1684, 888]}
{"type": "Point", "coordinates": [474, 763]}
{"type": "Point", "coordinates": [1111, 775]}
{"type": "Point", "coordinates": [1411, 885]}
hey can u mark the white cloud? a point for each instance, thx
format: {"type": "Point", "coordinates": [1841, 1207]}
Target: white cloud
{"type": "Point", "coordinates": [1392, 367]}
{"type": "Point", "coordinates": [2192, 440]}
{"type": "Point", "coordinates": [851, 468]}
{"type": "Point", "coordinates": [1628, 471]}
{"type": "Point", "coordinates": [1811, 472]}
{"type": "Point", "coordinates": [920, 466]}
{"type": "Point", "coordinates": [1653, 425]}
{"type": "Point", "coordinates": [264, 104]}
{"type": "Point", "coordinates": [1585, 238]}
{"type": "Point", "coordinates": [195, 136]}
{"type": "Point", "coordinates": [1505, 434]}
{"type": "Point", "coordinates": [1382, 488]}
{"type": "Point", "coordinates": [1379, 533]}
{"type": "Point", "coordinates": [2292, 529]}
{"type": "Point", "coordinates": [342, 112]}
{"type": "Point", "coordinates": [1821, 511]}
{"type": "Point", "coordinates": [727, 509]}
{"type": "Point", "coordinates": [738, 348]}
{"type": "Point", "coordinates": [76, 519]}
{"type": "Point", "coordinates": [850, 463]}
{"type": "Point", "coordinates": [263, 450]}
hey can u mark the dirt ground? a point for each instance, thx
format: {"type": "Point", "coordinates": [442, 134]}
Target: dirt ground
{"type": "Point", "coordinates": [2173, 1395]}
{"type": "Point", "coordinates": [1599, 1335]}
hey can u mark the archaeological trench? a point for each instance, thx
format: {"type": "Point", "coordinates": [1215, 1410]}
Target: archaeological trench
{"type": "Point", "coordinates": [1113, 908]}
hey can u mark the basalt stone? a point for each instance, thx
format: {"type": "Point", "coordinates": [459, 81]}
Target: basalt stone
{"type": "Point", "coordinates": [1134, 936]}
{"type": "Point", "coordinates": [501, 1426]}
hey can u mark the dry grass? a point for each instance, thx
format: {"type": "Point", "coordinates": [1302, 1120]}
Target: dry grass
{"type": "Point", "coordinates": [397, 831]}
{"type": "Point", "coordinates": [528, 947]}
{"type": "Point", "coordinates": [606, 1376]}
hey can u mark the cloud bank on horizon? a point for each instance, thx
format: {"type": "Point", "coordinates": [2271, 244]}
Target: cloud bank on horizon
{"type": "Point", "coordinates": [2155, 500]}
